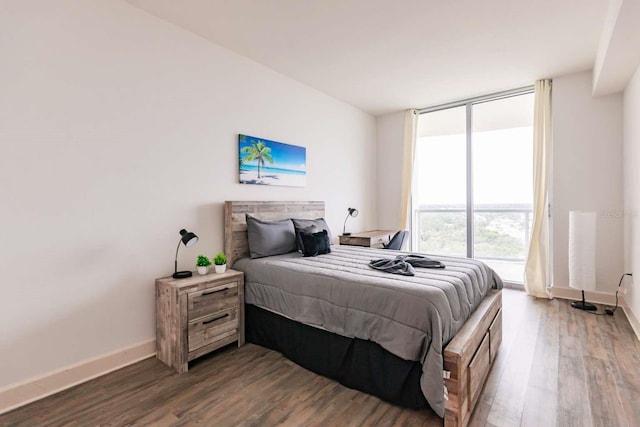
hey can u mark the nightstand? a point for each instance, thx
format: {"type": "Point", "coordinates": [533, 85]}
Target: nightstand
{"type": "Point", "coordinates": [371, 239]}
{"type": "Point", "coordinates": [197, 315]}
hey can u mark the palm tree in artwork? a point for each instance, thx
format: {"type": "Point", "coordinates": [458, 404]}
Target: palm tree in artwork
{"type": "Point", "coordinates": [258, 151]}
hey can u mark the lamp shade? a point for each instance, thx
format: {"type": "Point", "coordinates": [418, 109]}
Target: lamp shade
{"type": "Point", "coordinates": [582, 250]}
{"type": "Point", "coordinates": [188, 238]}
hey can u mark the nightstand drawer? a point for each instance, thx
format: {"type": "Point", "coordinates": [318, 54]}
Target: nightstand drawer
{"type": "Point", "coordinates": [478, 370]}
{"type": "Point", "coordinates": [213, 328]}
{"type": "Point", "coordinates": [355, 241]}
{"type": "Point", "coordinates": [369, 239]}
{"type": "Point", "coordinates": [205, 302]}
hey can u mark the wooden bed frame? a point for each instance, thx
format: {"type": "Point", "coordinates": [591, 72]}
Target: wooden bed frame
{"type": "Point", "coordinates": [467, 358]}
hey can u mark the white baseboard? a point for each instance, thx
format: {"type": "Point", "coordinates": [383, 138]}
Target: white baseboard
{"type": "Point", "coordinates": [633, 320]}
{"type": "Point", "coordinates": [590, 296]}
{"type": "Point", "coordinates": [20, 394]}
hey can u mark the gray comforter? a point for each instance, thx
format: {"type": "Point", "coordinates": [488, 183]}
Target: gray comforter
{"type": "Point", "coordinates": [412, 317]}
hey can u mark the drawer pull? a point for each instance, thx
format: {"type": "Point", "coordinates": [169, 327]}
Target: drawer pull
{"type": "Point", "coordinates": [214, 292]}
{"type": "Point", "coordinates": [206, 322]}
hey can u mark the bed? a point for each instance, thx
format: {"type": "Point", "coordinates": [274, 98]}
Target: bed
{"type": "Point", "coordinates": [377, 332]}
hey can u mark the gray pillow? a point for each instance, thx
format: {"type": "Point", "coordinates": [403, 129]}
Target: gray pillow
{"type": "Point", "coordinates": [267, 238]}
{"type": "Point", "coordinates": [301, 224]}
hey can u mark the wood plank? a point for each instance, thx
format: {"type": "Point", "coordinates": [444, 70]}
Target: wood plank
{"type": "Point", "coordinates": [573, 406]}
{"type": "Point", "coordinates": [290, 401]}
{"type": "Point", "coordinates": [606, 408]}
{"type": "Point", "coordinates": [542, 390]}
{"type": "Point", "coordinates": [624, 360]}
{"type": "Point", "coordinates": [508, 404]}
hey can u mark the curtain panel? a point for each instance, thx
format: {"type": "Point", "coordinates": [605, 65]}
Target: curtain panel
{"type": "Point", "coordinates": [536, 274]}
{"type": "Point", "coordinates": [410, 130]}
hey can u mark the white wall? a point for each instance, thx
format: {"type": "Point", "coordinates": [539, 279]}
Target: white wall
{"type": "Point", "coordinates": [390, 152]}
{"type": "Point", "coordinates": [632, 189]}
{"type": "Point", "coordinates": [116, 130]}
{"type": "Point", "coordinates": [587, 174]}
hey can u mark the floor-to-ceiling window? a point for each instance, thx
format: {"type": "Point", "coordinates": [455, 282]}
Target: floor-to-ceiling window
{"type": "Point", "coordinates": [472, 185]}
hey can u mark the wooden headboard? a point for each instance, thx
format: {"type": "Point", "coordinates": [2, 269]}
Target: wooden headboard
{"type": "Point", "coordinates": [235, 224]}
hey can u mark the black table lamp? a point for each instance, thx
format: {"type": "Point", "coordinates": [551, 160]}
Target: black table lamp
{"type": "Point", "coordinates": [189, 239]}
{"type": "Point", "coordinates": [352, 212]}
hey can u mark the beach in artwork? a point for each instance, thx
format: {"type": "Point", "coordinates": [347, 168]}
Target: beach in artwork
{"type": "Point", "coordinates": [265, 162]}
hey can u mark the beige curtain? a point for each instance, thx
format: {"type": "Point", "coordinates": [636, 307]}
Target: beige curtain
{"type": "Point", "coordinates": [410, 127]}
{"type": "Point", "coordinates": [537, 265]}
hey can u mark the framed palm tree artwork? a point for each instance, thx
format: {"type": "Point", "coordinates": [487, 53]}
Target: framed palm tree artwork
{"type": "Point", "coordinates": [265, 162]}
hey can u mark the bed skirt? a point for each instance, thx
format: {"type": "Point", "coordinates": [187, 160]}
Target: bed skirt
{"type": "Point", "coordinates": [354, 363]}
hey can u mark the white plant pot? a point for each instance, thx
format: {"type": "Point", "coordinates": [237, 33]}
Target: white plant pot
{"type": "Point", "coordinates": [221, 268]}
{"type": "Point", "coordinates": [203, 270]}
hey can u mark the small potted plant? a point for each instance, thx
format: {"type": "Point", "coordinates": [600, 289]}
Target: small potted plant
{"type": "Point", "coordinates": [203, 263]}
{"type": "Point", "coordinates": [220, 261]}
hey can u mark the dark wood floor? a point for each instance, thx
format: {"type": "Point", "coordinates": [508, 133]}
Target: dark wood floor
{"type": "Point", "coordinates": [557, 366]}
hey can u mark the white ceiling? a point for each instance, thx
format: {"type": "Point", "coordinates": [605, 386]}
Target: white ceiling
{"type": "Point", "coordinates": [389, 55]}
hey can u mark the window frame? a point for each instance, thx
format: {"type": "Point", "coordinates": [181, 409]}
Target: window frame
{"type": "Point", "coordinates": [468, 104]}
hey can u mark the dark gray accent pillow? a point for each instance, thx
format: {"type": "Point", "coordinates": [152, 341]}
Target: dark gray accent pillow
{"type": "Point", "coordinates": [301, 224]}
{"type": "Point", "coordinates": [310, 229]}
{"type": "Point", "coordinates": [268, 238]}
{"type": "Point", "coordinates": [314, 244]}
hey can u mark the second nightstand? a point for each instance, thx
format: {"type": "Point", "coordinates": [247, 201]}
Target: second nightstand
{"type": "Point", "coordinates": [372, 239]}
{"type": "Point", "coordinates": [197, 315]}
